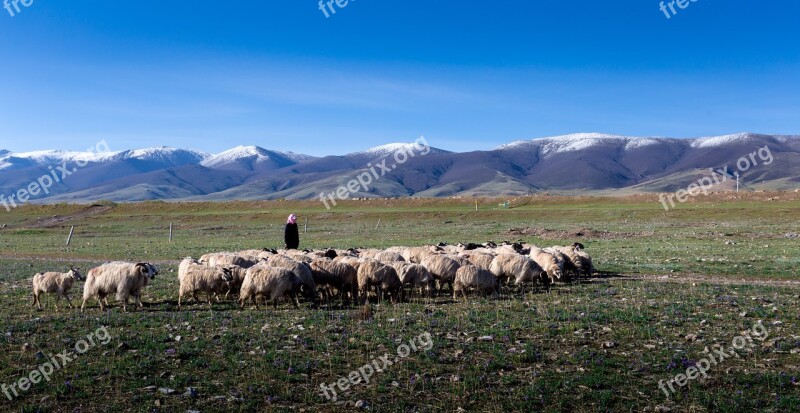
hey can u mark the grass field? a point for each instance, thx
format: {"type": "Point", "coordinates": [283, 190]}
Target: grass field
{"type": "Point", "coordinates": [673, 284]}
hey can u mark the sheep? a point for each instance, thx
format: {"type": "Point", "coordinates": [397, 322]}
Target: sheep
{"type": "Point", "coordinates": [351, 261]}
{"type": "Point", "coordinates": [372, 273]}
{"type": "Point", "coordinates": [338, 275]}
{"type": "Point", "coordinates": [442, 268]}
{"type": "Point", "coordinates": [227, 258]}
{"type": "Point", "coordinates": [54, 282]}
{"type": "Point", "coordinates": [567, 262]}
{"type": "Point", "coordinates": [414, 275]}
{"type": "Point", "coordinates": [548, 262]}
{"type": "Point", "coordinates": [470, 276]}
{"type": "Point", "coordinates": [416, 254]}
{"type": "Point", "coordinates": [301, 270]}
{"type": "Point", "coordinates": [579, 258]}
{"type": "Point", "coordinates": [517, 267]}
{"type": "Point", "coordinates": [388, 257]}
{"type": "Point", "coordinates": [195, 277]}
{"type": "Point", "coordinates": [271, 283]}
{"type": "Point", "coordinates": [125, 279]}
{"type": "Point", "coordinates": [479, 259]}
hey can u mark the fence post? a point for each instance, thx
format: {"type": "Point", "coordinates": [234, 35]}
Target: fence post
{"type": "Point", "coordinates": [170, 232]}
{"type": "Point", "coordinates": [305, 227]}
{"type": "Point", "coordinates": [69, 237]}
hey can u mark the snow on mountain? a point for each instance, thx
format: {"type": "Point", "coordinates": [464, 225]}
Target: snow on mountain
{"type": "Point", "coordinates": [253, 158]}
{"type": "Point", "coordinates": [580, 141]}
{"type": "Point", "coordinates": [163, 156]}
{"type": "Point", "coordinates": [391, 148]}
{"type": "Point", "coordinates": [717, 141]}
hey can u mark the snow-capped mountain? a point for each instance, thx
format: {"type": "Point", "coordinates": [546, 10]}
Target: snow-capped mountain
{"type": "Point", "coordinates": [253, 158]}
{"type": "Point", "coordinates": [576, 163]}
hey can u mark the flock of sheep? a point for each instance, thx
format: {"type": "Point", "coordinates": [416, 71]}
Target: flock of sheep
{"type": "Point", "coordinates": [350, 275]}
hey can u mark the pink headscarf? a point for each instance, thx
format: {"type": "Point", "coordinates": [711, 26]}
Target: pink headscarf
{"type": "Point", "coordinates": [292, 219]}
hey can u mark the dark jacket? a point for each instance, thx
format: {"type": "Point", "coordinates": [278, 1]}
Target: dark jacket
{"type": "Point", "coordinates": [291, 236]}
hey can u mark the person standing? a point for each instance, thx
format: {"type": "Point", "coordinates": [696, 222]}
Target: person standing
{"type": "Point", "coordinates": [291, 236]}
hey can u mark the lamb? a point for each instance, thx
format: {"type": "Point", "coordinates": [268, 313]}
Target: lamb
{"type": "Point", "coordinates": [124, 279]}
{"type": "Point", "coordinates": [195, 277]}
{"type": "Point", "coordinates": [517, 267]}
{"type": "Point", "coordinates": [301, 270]}
{"type": "Point", "coordinates": [54, 282]}
{"type": "Point", "coordinates": [414, 275]}
{"type": "Point", "coordinates": [470, 276]}
{"type": "Point", "coordinates": [271, 283]}
{"type": "Point", "coordinates": [479, 259]}
{"type": "Point", "coordinates": [372, 273]}
{"type": "Point", "coordinates": [442, 268]}
{"type": "Point", "coordinates": [548, 262]}
{"type": "Point", "coordinates": [337, 275]}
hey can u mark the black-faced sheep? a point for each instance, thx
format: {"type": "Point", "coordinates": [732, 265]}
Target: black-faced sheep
{"type": "Point", "coordinates": [124, 279]}
{"type": "Point", "coordinates": [54, 282]}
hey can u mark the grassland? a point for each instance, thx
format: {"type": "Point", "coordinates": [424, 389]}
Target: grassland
{"type": "Point", "coordinates": [673, 283]}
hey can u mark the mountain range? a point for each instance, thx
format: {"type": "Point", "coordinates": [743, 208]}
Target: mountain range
{"type": "Point", "coordinates": [572, 164]}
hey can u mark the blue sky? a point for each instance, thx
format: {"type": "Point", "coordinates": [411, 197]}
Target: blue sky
{"type": "Point", "coordinates": [467, 75]}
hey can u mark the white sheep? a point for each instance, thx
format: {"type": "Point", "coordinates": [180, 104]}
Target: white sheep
{"type": "Point", "coordinates": [195, 277]}
{"type": "Point", "coordinates": [442, 268]}
{"type": "Point", "coordinates": [300, 269]}
{"type": "Point", "coordinates": [479, 259]}
{"type": "Point", "coordinates": [372, 273]}
{"type": "Point", "coordinates": [271, 283]}
{"type": "Point", "coordinates": [335, 275]}
{"type": "Point", "coordinates": [124, 279]}
{"type": "Point", "coordinates": [517, 267]}
{"type": "Point", "coordinates": [549, 263]}
{"type": "Point", "coordinates": [388, 257]}
{"type": "Point", "coordinates": [227, 258]}
{"type": "Point", "coordinates": [54, 282]}
{"type": "Point", "coordinates": [414, 275]}
{"type": "Point", "coordinates": [470, 276]}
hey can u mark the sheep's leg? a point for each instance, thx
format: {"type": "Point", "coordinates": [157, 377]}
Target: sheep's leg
{"type": "Point", "coordinates": [69, 301]}
{"type": "Point", "coordinates": [194, 294]}
{"type": "Point", "coordinates": [180, 296]}
{"type": "Point", "coordinates": [83, 305]}
{"type": "Point", "coordinates": [58, 299]}
{"type": "Point", "coordinates": [37, 301]}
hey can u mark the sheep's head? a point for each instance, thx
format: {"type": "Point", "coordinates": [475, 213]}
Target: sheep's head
{"type": "Point", "coordinates": [147, 270]}
{"type": "Point", "coordinates": [75, 273]}
{"type": "Point", "coordinates": [227, 275]}
{"type": "Point", "coordinates": [578, 246]}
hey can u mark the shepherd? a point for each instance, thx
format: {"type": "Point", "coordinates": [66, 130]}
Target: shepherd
{"type": "Point", "coordinates": [291, 236]}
